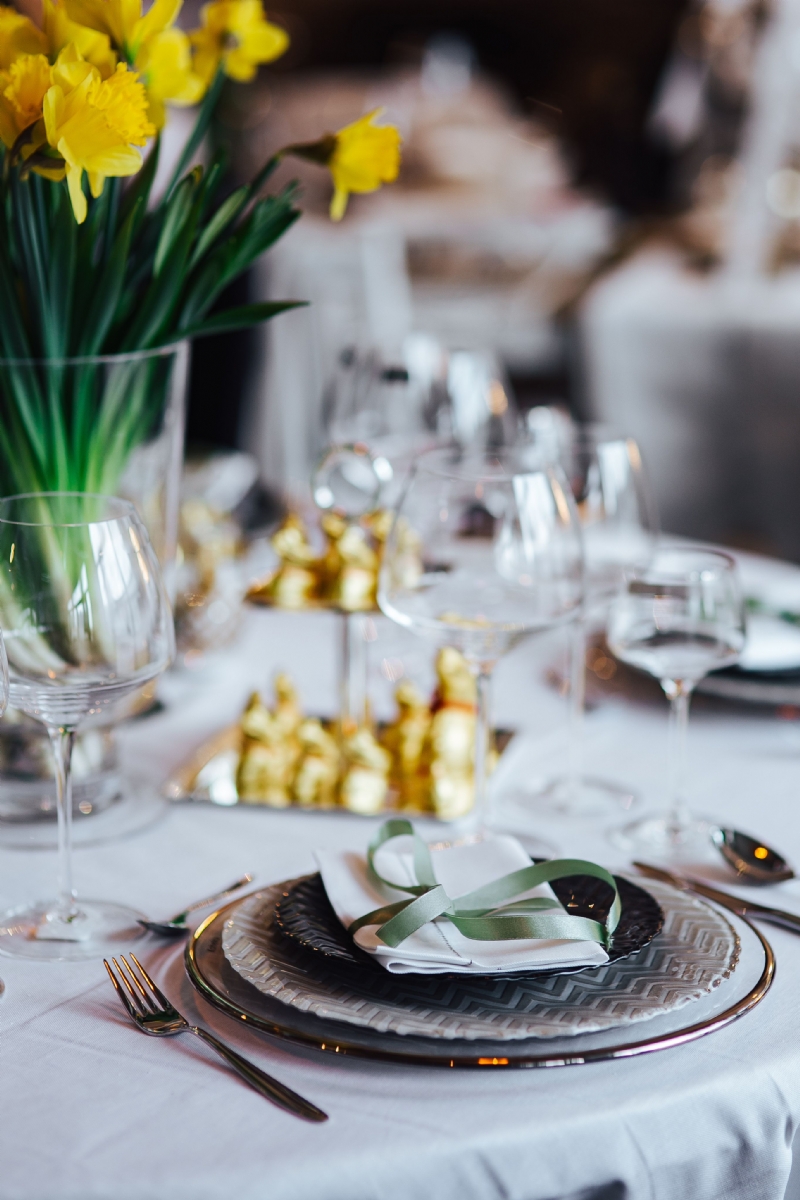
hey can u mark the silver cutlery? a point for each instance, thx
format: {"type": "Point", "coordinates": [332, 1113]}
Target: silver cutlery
{"type": "Point", "coordinates": [752, 861]}
{"type": "Point", "coordinates": [744, 908]}
{"type": "Point", "coordinates": [176, 926]}
{"type": "Point", "coordinates": [147, 1005]}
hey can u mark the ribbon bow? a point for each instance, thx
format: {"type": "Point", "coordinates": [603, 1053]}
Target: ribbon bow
{"type": "Point", "coordinates": [481, 914]}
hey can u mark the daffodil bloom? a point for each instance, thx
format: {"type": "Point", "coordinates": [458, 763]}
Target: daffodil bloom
{"type": "Point", "coordinates": [22, 91]}
{"type": "Point", "coordinates": [18, 35]}
{"type": "Point", "coordinates": [360, 158]}
{"type": "Point", "coordinates": [93, 46]}
{"type": "Point", "coordinates": [94, 124]}
{"type": "Point", "coordinates": [236, 34]}
{"type": "Point", "coordinates": [160, 53]}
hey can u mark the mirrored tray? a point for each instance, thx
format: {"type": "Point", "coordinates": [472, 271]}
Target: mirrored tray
{"type": "Point", "coordinates": [303, 913]}
{"type": "Point", "coordinates": [221, 986]}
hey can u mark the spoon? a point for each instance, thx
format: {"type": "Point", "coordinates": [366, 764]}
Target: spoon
{"type": "Point", "coordinates": [176, 926]}
{"type": "Point", "coordinates": [752, 861]}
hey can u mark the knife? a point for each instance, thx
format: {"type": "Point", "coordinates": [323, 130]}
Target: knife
{"type": "Point", "coordinates": [744, 908]}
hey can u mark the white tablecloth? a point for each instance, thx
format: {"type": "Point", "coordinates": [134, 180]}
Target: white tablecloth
{"type": "Point", "coordinates": [92, 1110]}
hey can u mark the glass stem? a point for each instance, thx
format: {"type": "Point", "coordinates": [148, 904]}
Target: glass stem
{"type": "Point", "coordinates": [483, 733]}
{"type": "Point", "coordinates": [62, 742]}
{"type": "Point", "coordinates": [679, 695]}
{"type": "Point", "coordinates": [577, 709]}
{"type": "Point", "coordinates": [354, 672]}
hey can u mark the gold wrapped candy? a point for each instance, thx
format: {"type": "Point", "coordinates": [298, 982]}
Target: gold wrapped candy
{"type": "Point", "coordinates": [423, 761]}
{"type": "Point", "coordinates": [344, 576]}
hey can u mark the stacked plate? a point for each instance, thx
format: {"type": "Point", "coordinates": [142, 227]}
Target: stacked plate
{"type": "Point", "coordinates": [678, 968]}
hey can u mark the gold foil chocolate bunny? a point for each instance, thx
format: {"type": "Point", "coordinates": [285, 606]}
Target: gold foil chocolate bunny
{"type": "Point", "coordinates": [268, 757]}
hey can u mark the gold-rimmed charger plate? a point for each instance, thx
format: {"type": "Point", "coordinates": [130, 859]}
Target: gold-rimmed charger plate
{"type": "Point", "coordinates": [218, 983]}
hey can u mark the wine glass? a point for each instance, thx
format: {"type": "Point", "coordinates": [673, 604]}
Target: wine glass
{"type": "Point", "coordinates": [484, 551]}
{"type": "Point", "coordinates": [679, 618]}
{"type": "Point", "coordinates": [619, 523]}
{"type": "Point", "coordinates": [87, 621]}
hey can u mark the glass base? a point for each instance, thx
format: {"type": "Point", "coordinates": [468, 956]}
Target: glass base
{"type": "Point", "coordinates": [134, 807]}
{"type": "Point", "coordinates": [662, 836]}
{"type": "Point", "coordinates": [586, 796]}
{"type": "Point", "coordinates": [99, 930]}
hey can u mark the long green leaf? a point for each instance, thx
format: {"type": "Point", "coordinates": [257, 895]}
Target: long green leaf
{"type": "Point", "coordinates": [178, 209]}
{"type": "Point", "coordinates": [241, 318]}
{"type": "Point", "coordinates": [204, 115]}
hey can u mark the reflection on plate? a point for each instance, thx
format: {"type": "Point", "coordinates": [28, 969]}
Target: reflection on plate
{"type": "Point", "coordinates": [696, 950]}
{"type": "Point", "coordinates": [304, 914]}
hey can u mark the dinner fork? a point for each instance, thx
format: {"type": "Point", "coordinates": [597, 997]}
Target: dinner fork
{"type": "Point", "coordinates": [147, 1005]}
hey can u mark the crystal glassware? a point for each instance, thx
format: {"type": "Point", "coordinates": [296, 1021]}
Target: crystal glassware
{"type": "Point", "coordinates": [619, 524]}
{"type": "Point", "coordinates": [679, 618]}
{"type": "Point", "coordinates": [87, 622]}
{"type": "Point", "coordinates": [484, 551]}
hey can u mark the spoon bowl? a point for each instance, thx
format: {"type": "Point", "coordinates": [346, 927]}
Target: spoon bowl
{"type": "Point", "coordinates": [752, 861]}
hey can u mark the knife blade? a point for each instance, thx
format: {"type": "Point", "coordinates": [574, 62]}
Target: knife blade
{"type": "Point", "coordinates": [744, 908]}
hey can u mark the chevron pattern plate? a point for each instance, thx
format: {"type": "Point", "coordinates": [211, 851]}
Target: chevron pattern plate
{"type": "Point", "coordinates": [696, 949]}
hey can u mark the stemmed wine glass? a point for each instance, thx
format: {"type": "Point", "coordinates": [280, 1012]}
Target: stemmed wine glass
{"type": "Point", "coordinates": [484, 551]}
{"type": "Point", "coordinates": [87, 621]}
{"type": "Point", "coordinates": [619, 524]}
{"type": "Point", "coordinates": [679, 618]}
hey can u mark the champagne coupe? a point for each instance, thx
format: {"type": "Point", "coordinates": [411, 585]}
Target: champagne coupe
{"type": "Point", "coordinates": [679, 618]}
{"type": "Point", "coordinates": [619, 523]}
{"type": "Point", "coordinates": [484, 551]}
{"type": "Point", "coordinates": [87, 621]}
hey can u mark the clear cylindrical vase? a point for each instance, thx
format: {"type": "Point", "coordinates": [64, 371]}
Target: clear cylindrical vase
{"type": "Point", "coordinates": [112, 424]}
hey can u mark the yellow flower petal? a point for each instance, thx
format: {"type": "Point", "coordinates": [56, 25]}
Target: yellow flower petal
{"type": "Point", "coordinates": [364, 157]}
{"type": "Point", "coordinates": [21, 99]}
{"type": "Point", "coordinates": [165, 63]}
{"type": "Point", "coordinates": [18, 35]}
{"type": "Point", "coordinates": [94, 47]}
{"type": "Point", "coordinates": [236, 34]}
{"type": "Point", "coordinates": [160, 16]}
{"type": "Point", "coordinates": [76, 196]}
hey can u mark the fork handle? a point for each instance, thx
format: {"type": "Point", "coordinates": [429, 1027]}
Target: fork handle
{"type": "Point", "coordinates": [277, 1092]}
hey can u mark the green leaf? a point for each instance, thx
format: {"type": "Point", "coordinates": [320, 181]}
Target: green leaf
{"type": "Point", "coordinates": [227, 212]}
{"type": "Point", "coordinates": [204, 115]}
{"type": "Point", "coordinates": [108, 287]}
{"type": "Point", "coordinates": [142, 184]}
{"type": "Point", "coordinates": [241, 318]}
{"type": "Point", "coordinates": [178, 210]}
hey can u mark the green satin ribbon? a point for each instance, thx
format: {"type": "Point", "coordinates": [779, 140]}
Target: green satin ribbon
{"type": "Point", "coordinates": [482, 914]}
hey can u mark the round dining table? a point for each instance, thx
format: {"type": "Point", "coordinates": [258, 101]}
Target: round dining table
{"type": "Point", "coordinates": [90, 1109]}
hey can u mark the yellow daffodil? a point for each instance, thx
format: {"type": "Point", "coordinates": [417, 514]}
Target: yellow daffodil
{"type": "Point", "coordinates": [22, 91]}
{"type": "Point", "coordinates": [60, 31]}
{"type": "Point", "coordinates": [18, 35]}
{"type": "Point", "coordinates": [360, 158]}
{"type": "Point", "coordinates": [236, 34]}
{"type": "Point", "coordinates": [94, 124]}
{"type": "Point", "coordinates": [167, 71]}
{"type": "Point", "coordinates": [160, 53]}
{"type": "Point", "coordinates": [366, 155]}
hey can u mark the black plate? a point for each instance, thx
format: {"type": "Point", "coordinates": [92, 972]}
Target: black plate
{"type": "Point", "coordinates": [304, 914]}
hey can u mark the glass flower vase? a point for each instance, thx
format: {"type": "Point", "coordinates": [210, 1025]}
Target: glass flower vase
{"type": "Point", "coordinates": [111, 424]}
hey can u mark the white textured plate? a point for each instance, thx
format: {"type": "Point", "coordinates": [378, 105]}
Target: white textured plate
{"type": "Point", "coordinates": [696, 950]}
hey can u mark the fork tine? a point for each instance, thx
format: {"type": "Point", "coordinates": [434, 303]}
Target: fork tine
{"type": "Point", "coordinates": [141, 1010]}
{"type": "Point", "coordinates": [131, 1010]}
{"type": "Point", "coordinates": [154, 987]}
{"type": "Point", "coordinates": [145, 991]}
{"type": "Point", "coordinates": [145, 999]}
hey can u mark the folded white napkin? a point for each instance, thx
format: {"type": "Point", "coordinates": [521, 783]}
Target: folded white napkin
{"type": "Point", "coordinates": [438, 946]}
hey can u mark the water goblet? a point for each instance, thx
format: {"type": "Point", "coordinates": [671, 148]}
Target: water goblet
{"type": "Point", "coordinates": [679, 618]}
{"type": "Point", "coordinates": [619, 524]}
{"type": "Point", "coordinates": [484, 551]}
{"type": "Point", "coordinates": [87, 622]}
